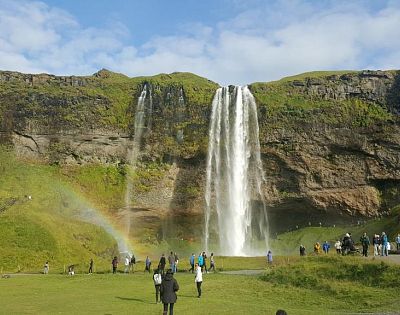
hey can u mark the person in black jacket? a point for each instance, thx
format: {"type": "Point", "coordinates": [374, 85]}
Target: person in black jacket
{"type": "Point", "coordinates": [161, 264]}
{"type": "Point", "coordinates": [168, 289]}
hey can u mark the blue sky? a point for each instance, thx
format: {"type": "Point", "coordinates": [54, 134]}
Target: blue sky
{"type": "Point", "coordinates": [228, 41]}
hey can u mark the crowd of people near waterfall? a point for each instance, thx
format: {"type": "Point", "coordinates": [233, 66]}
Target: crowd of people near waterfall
{"type": "Point", "coordinates": [377, 244]}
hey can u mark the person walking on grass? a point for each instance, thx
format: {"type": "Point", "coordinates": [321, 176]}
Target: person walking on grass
{"type": "Point", "coordinates": [200, 261]}
{"type": "Point", "coordinates": [198, 279]}
{"type": "Point", "coordinates": [365, 244]}
{"type": "Point", "coordinates": [157, 279]}
{"type": "Point", "coordinates": [91, 266]}
{"type": "Point", "coordinates": [176, 258]}
{"type": "Point", "coordinates": [147, 264]}
{"type": "Point", "coordinates": [325, 247]}
{"type": "Point", "coordinates": [317, 248]}
{"type": "Point", "coordinates": [168, 289]}
{"type": "Point", "coordinates": [269, 257]}
{"type": "Point", "coordinates": [191, 261]}
{"type": "Point", "coordinates": [171, 261]}
{"type": "Point", "coordinates": [114, 264]}
{"type": "Point", "coordinates": [205, 262]}
{"type": "Point", "coordinates": [398, 242]}
{"type": "Point", "coordinates": [338, 247]}
{"type": "Point", "coordinates": [162, 263]}
{"type": "Point", "coordinates": [133, 263]}
{"type": "Point", "coordinates": [376, 241]}
{"type": "Point", "coordinates": [127, 264]}
{"type": "Point", "coordinates": [212, 263]}
{"type": "Point", "coordinates": [384, 243]}
{"type": "Point", "coordinates": [302, 250]}
{"type": "Point", "coordinates": [46, 268]}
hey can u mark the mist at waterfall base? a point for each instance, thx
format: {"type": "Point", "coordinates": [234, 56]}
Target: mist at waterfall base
{"type": "Point", "coordinates": [235, 214]}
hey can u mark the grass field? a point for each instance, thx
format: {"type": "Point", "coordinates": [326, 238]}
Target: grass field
{"type": "Point", "coordinates": [314, 285]}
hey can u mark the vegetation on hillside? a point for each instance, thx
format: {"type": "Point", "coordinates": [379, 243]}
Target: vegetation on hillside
{"type": "Point", "coordinates": [283, 104]}
{"type": "Point", "coordinates": [43, 221]}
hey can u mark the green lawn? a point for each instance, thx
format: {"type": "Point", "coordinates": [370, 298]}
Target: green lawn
{"type": "Point", "coordinates": [313, 285]}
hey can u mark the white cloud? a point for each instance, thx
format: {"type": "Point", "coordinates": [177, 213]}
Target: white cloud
{"type": "Point", "coordinates": [259, 44]}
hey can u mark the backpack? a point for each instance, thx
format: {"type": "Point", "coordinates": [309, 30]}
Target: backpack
{"type": "Point", "coordinates": [157, 279]}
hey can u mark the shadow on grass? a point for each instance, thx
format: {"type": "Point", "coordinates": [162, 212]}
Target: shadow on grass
{"type": "Point", "coordinates": [133, 299]}
{"type": "Point", "coordinates": [194, 296]}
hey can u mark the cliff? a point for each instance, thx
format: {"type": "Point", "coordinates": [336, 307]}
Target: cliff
{"type": "Point", "coordinates": [329, 140]}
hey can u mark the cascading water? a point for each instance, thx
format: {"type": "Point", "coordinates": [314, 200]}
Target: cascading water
{"type": "Point", "coordinates": [134, 150]}
{"type": "Point", "coordinates": [235, 175]}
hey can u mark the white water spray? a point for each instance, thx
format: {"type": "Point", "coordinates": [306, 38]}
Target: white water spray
{"type": "Point", "coordinates": [133, 152]}
{"type": "Point", "coordinates": [235, 175]}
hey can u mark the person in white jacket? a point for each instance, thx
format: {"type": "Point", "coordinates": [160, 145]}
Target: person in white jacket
{"type": "Point", "coordinates": [127, 261]}
{"type": "Point", "coordinates": [198, 279]}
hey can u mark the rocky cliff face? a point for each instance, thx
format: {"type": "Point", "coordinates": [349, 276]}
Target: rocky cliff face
{"type": "Point", "coordinates": [330, 142]}
{"type": "Point", "coordinates": [338, 157]}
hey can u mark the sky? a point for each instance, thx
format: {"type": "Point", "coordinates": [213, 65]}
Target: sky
{"type": "Point", "coordinates": [227, 41]}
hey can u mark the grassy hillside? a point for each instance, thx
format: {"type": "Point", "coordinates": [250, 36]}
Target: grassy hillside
{"type": "Point", "coordinates": [45, 227]}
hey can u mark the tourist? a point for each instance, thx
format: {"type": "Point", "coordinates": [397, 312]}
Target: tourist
{"type": "Point", "coordinates": [317, 248]}
{"type": "Point", "coordinates": [46, 268]}
{"type": "Point", "coordinates": [398, 242]}
{"type": "Point", "coordinates": [347, 244]}
{"type": "Point", "coordinates": [200, 261]}
{"type": "Point", "coordinates": [269, 257]}
{"type": "Point", "coordinates": [133, 263]}
{"type": "Point", "coordinates": [176, 262]}
{"type": "Point", "coordinates": [384, 243]}
{"type": "Point", "coordinates": [376, 241]}
{"type": "Point", "coordinates": [162, 263]}
{"type": "Point", "coordinates": [147, 264]}
{"type": "Point", "coordinates": [338, 247]}
{"type": "Point", "coordinates": [114, 264]}
{"type": "Point", "coordinates": [212, 262]}
{"type": "Point", "coordinates": [91, 266]}
{"type": "Point", "coordinates": [127, 264]}
{"type": "Point", "coordinates": [157, 279]}
{"type": "Point", "coordinates": [302, 250]}
{"type": "Point", "coordinates": [71, 270]}
{"type": "Point", "coordinates": [171, 261]}
{"type": "Point", "coordinates": [168, 289]}
{"type": "Point", "coordinates": [365, 244]}
{"type": "Point", "coordinates": [325, 247]}
{"type": "Point", "coordinates": [199, 280]}
{"type": "Point", "coordinates": [205, 262]}
{"type": "Point", "coordinates": [191, 261]}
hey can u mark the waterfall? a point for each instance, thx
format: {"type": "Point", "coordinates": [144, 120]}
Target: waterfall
{"type": "Point", "coordinates": [235, 176]}
{"type": "Point", "coordinates": [134, 150]}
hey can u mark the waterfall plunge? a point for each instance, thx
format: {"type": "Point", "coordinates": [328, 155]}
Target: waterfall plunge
{"type": "Point", "coordinates": [235, 175]}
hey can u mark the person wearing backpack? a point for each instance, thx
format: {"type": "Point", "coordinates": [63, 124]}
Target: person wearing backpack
{"type": "Point", "coordinates": [157, 278]}
{"type": "Point", "coordinates": [168, 289]}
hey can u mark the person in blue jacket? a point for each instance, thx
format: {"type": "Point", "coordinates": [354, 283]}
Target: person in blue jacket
{"type": "Point", "coordinates": [200, 260]}
{"type": "Point", "coordinates": [384, 243]}
{"type": "Point", "coordinates": [191, 261]}
{"type": "Point", "coordinates": [326, 247]}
